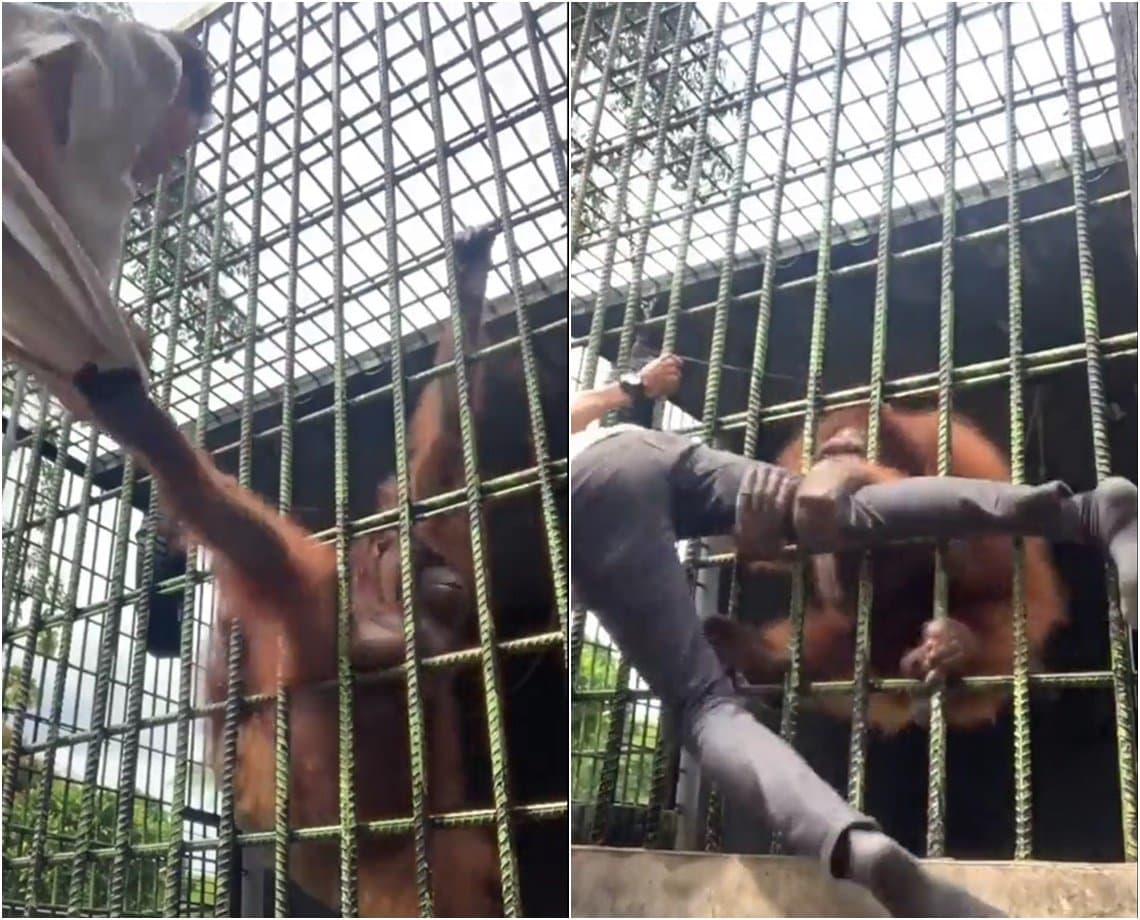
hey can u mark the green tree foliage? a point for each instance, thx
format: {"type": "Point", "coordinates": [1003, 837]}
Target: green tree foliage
{"type": "Point", "coordinates": [590, 726]}
{"type": "Point", "coordinates": [64, 808]}
{"type": "Point", "coordinates": [681, 136]}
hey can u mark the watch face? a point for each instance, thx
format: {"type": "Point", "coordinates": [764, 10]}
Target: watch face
{"type": "Point", "coordinates": [631, 383]}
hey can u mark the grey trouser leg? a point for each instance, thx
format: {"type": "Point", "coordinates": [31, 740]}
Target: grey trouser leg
{"type": "Point", "coordinates": [633, 495]}
{"type": "Point", "coordinates": [950, 508]}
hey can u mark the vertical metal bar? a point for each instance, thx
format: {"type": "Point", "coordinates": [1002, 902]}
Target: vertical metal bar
{"type": "Point", "coordinates": [620, 702]}
{"type": "Point", "coordinates": [696, 161]}
{"type": "Point", "coordinates": [226, 821]}
{"type": "Point", "coordinates": [128, 761]}
{"type": "Point", "coordinates": [19, 389]}
{"type": "Point", "coordinates": [638, 267]}
{"type": "Point", "coordinates": [576, 216]}
{"type": "Point", "coordinates": [617, 213]}
{"type": "Point", "coordinates": [492, 688]}
{"type": "Point", "coordinates": [108, 646]}
{"type": "Point", "coordinates": [14, 577]}
{"type": "Point", "coordinates": [174, 871]}
{"type": "Point", "coordinates": [578, 614]}
{"type": "Point", "coordinates": [253, 275]}
{"type": "Point", "coordinates": [55, 712]}
{"type": "Point", "coordinates": [22, 698]}
{"type": "Point", "coordinates": [608, 776]}
{"type": "Point", "coordinates": [16, 552]}
{"type": "Point", "coordinates": [617, 723]}
{"type": "Point", "coordinates": [1022, 763]}
{"type": "Point", "coordinates": [281, 832]}
{"type": "Point", "coordinates": [1123, 689]}
{"type": "Point", "coordinates": [790, 710]}
{"type": "Point", "coordinates": [857, 747]}
{"type": "Point", "coordinates": [664, 751]}
{"type": "Point", "coordinates": [583, 46]}
{"type": "Point", "coordinates": [633, 295]}
{"type": "Point", "coordinates": [728, 264]}
{"type": "Point", "coordinates": [936, 787]}
{"type": "Point", "coordinates": [768, 283]}
{"type": "Point", "coordinates": [345, 677]}
{"type": "Point", "coordinates": [557, 145]}
{"type": "Point", "coordinates": [412, 673]}
{"type": "Point", "coordinates": [551, 526]}
{"type": "Point", "coordinates": [697, 154]}
{"type": "Point", "coordinates": [720, 324]}
{"type": "Point", "coordinates": [104, 673]}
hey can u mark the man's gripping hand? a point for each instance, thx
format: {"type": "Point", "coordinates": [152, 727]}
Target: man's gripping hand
{"type": "Point", "coordinates": [764, 510]}
{"type": "Point", "coordinates": [662, 376]}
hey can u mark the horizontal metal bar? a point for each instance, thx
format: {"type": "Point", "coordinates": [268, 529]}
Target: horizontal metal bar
{"type": "Point", "coordinates": [541, 811]}
{"type": "Point", "coordinates": [1038, 364]}
{"type": "Point", "coordinates": [466, 658]}
{"type": "Point", "coordinates": [1085, 680]}
{"type": "Point", "coordinates": [858, 268]}
{"type": "Point", "coordinates": [492, 490]}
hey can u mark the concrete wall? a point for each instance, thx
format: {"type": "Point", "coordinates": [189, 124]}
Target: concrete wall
{"type": "Point", "coordinates": [637, 883]}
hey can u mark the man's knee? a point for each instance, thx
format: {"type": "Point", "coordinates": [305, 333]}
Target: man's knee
{"type": "Point", "coordinates": [715, 695]}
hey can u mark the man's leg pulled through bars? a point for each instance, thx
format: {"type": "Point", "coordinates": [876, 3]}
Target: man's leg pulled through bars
{"type": "Point", "coordinates": [632, 496]}
{"type": "Point", "coordinates": [948, 508]}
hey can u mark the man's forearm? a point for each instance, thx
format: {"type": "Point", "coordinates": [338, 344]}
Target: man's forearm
{"type": "Point", "coordinates": [593, 404]}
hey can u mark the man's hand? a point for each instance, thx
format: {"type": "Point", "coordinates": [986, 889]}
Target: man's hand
{"type": "Point", "coordinates": [661, 376]}
{"type": "Point", "coordinates": [763, 511]}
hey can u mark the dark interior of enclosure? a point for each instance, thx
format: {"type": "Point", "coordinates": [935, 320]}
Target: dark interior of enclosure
{"type": "Point", "coordinates": [1075, 781]}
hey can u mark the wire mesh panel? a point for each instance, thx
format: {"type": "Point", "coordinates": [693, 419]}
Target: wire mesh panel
{"type": "Point", "coordinates": [821, 206]}
{"type": "Point", "coordinates": [298, 276]}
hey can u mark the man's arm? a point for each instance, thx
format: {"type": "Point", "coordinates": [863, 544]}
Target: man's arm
{"type": "Point", "coordinates": [591, 405]}
{"type": "Point", "coordinates": [659, 378]}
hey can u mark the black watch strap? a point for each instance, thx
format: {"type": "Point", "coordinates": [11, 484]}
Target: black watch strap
{"type": "Point", "coordinates": [632, 385]}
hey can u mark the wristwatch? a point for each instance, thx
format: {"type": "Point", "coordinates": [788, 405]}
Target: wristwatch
{"type": "Point", "coordinates": [633, 386]}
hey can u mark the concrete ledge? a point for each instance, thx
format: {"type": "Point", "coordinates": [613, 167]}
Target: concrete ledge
{"type": "Point", "coordinates": [609, 882]}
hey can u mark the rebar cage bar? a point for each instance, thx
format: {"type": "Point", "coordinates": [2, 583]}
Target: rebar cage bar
{"type": "Point", "coordinates": [753, 186]}
{"type": "Point", "coordinates": [295, 272]}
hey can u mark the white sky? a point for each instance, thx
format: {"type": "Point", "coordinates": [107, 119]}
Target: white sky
{"type": "Point", "coordinates": [1043, 126]}
{"type": "Point", "coordinates": [164, 15]}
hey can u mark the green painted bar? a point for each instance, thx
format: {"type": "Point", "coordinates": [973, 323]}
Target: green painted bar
{"type": "Point", "coordinates": [492, 688]}
{"type": "Point", "coordinates": [345, 727]}
{"type": "Point", "coordinates": [720, 323]}
{"type": "Point", "coordinates": [281, 803]}
{"type": "Point", "coordinates": [936, 769]}
{"type": "Point", "coordinates": [1124, 683]}
{"type": "Point", "coordinates": [1022, 759]}
{"type": "Point", "coordinates": [789, 712]}
{"type": "Point", "coordinates": [416, 737]}
{"type": "Point", "coordinates": [586, 166]}
{"type": "Point", "coordinates": [857, 748]}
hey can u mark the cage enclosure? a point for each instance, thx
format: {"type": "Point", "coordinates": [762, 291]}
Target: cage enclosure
{"type": "Point", "coordinates": [819, 205]}
{"type": "Point", "coordinates": [294, 274]}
